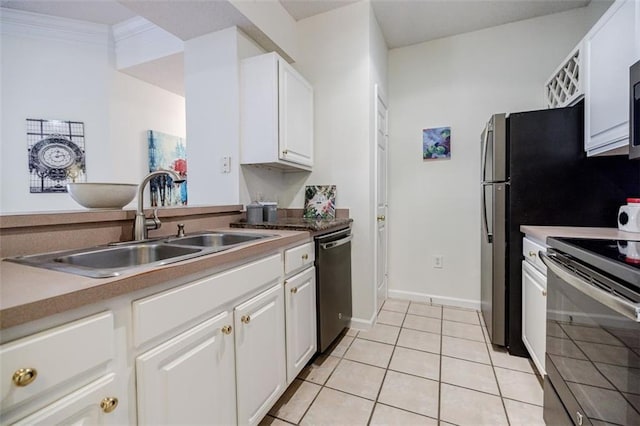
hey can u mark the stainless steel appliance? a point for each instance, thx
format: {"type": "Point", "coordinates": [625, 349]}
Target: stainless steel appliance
{"type": "Point", "coordinates": [634, 111]}
{"type": "Point", "coordinates": [593, 332]}
{"type": "Point", "coordinates": [535, 172]}
{"type": "Point", "coordinates": [333, 284]}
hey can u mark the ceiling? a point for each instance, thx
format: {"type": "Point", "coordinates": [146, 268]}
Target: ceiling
{"type": "Point", "coordinates": [403, 22]}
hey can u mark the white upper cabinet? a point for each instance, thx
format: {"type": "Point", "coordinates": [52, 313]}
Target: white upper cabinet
{"type": "Point", "coordinates": [276, 114]}
{"type": "Point", "coordinates": [610, 48]}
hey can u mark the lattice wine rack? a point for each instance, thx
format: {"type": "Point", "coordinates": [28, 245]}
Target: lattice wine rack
{"type": "Point", "coordinates": [565, 85]}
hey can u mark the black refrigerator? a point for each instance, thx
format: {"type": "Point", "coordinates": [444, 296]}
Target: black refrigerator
{"type": "Point", "coordinates": [535, 172]}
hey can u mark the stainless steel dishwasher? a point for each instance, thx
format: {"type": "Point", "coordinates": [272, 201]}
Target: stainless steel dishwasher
{"type": "Point", "coordinates": [333, 284]}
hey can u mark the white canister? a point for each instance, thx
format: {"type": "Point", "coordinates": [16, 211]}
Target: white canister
{"type": "Point", "coordinates": [629, 216]}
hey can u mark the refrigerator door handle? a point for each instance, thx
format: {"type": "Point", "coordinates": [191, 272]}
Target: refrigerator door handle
{"type": "Point", "coordinates": [485, 222]}
{"type": "Point", "coordinates": [485, 141]}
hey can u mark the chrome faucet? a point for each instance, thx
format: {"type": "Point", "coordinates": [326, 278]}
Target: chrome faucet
{"type": "Point", "coordinates": [142, 224]}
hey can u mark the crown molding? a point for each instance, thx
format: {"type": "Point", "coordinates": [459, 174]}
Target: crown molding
{"type": "Point", "coordinates": [35, 25]}
{"type": "Point", "coordinates": [131, 28]}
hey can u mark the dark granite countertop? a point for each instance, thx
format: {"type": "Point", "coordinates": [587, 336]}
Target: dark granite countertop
{"type": "Point", "coordinates": [297, 224]}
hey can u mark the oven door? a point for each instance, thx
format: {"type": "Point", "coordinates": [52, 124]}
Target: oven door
{"type": "Point", "coordinates": [593, 346]}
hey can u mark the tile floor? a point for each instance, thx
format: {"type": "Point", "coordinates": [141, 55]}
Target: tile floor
{"type": "Point", "coordinates": [420, 365]}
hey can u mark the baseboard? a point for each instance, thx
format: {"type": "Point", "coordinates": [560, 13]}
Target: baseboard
{"type": "Point", "coordinates": [430, 298]}
{"type": "Point", "coordinates": [363, 324]}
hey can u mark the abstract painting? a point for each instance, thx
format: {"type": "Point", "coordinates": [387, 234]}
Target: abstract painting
{"type": "Point", "coordinates": [56, 155]}
{"type": "Point", "coordinates": [320, 202]}
{"type": "Point", "coordinates": [167, 152]}
{"type": "Point", "coordinates": [436, 143]}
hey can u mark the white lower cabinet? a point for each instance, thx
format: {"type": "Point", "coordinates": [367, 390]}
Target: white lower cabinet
{"type": "Point", "coordinates": [260, 354]}
{"type": "Point", "coordinates": [191, 378]}
{"type": "Point", "coordinates": [534, 307]}
{"type": "Point", "coordinates": [300, 309]}
{"type": "Point", "coordinates": [90, 405]}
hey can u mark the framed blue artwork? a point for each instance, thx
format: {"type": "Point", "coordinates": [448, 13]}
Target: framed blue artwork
{"type": "Point", "coordinates": [167, 152]}
{"type": "Point", "coordinates": [436, 143]}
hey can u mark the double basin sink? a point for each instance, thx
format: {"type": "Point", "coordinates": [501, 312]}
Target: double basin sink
{"type": "Point", "coordinates": [119, 258]}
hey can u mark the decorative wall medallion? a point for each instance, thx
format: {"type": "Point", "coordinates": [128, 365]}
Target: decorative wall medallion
{"type": "Point", "coordinates": [56, 154]}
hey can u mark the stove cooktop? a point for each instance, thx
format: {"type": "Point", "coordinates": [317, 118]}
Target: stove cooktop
{"type": "Point", "coordinates": [620, 258]}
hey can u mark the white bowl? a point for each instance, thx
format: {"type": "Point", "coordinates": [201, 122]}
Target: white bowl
{"type": "Point", "coordinates": [102, 195]}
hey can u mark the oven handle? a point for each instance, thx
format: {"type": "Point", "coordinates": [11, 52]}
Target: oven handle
{"type": "Point", "coordinates": [628, 309]}
{"type": "Point", "coordinates": [337, 243]}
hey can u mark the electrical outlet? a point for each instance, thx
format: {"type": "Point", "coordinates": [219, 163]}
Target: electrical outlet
{"type": "Point", "coordinates": [438, 261]}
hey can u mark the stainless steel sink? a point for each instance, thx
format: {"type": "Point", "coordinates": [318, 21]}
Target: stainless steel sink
{"type": "Point", "coordinates": [126, 256]}
{"type": "Point", "coordinates": [120, 258]}
{"type": "Point", "coordinates": [216, 239]}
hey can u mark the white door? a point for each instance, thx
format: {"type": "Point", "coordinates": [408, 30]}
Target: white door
{"type": "Point", "coordinates": [382, 139]}
{"type": "Point", "coordinates": [300, 302]}
{"type": "Point", "coordinates": [260, 354]}
{"type": "Point", "coordinates": [191, 378]}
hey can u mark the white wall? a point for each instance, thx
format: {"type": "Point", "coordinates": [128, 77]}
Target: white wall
{"type": "Point", "coordinates": [69, 75]}
{"type": "Point", "coordinates": [459, 81]}
{"type": "Point", "coordinates": [335, 57]}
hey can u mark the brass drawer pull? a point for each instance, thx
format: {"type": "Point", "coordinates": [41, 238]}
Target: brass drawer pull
{"type": "Point", "coordinates": [305, 256]}
{"type": "Point", "coordinates": [227, 329]}
{"type": "Point", "coordinates": [245, 319]}
{"type": "Point", "coordinates": [24, 376]}
{"type": "Point", "coordinates": [294, 290]}
{"type": "Point", "coordinates": [532, 253]}
{"type": "Point", "coordinates": [109, 404]}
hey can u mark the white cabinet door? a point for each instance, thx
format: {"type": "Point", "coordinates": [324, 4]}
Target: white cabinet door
{"type": "Point", "coordinates": [260, 354]}
{"type": "Point", "coordinates": [611, 47]}
{"type": "Point", "coordinates": [191, 378]}
{"type": "Point", "coordinates": [296, 116]}
{"type": "Point", "coordinates": [300, 313]}
{"type": "Point", "coordinates": [95, 404]}
{"type": "Point", "coordinates": [534, 312]}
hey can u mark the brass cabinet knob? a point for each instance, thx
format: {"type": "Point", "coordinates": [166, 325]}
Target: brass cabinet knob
{"type": "Point", "coordinates": [109, 404]}
{"type": "Point", "coordinates": [544, 292]}
{"type": "Point", "coordinates": [305, 256]}
{"type": "Point", "coordinates": [381, 218]}
{"type": "Point", "coordinates": [294, 290]}
{"type": "Point", "coordinates": [245, 319]}
{"type": "Point", "coordinates": [24, 376]}
{"type": "Point", "coordinates": [532, 253]}
{"type": "Point", "coordinates": [227, 329]}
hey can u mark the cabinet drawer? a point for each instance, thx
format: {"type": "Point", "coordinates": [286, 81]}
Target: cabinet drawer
{"type": "Point", "coordinates": [163, 312]}
{"type": "Point", "coordinates": [298, 258]}
{"type": "Point", "coordinates": [57, 355]}
{"type": "Point", "coordinates": [530, 251]}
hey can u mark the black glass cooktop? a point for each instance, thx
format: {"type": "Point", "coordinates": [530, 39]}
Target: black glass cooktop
{"type": "Point", "coordinates": [619, 258]}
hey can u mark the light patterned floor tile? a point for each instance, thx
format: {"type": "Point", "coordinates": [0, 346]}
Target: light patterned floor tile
{"type": "Point", "coordinates": [501, 358]}
{"type": "Point", "coordinates": [294, 403]}
{"type": "Point", "coordinates": [410, 393]}
{"type": "Point", "coordinates": [419, 340]}
{"type": "Point", "coordinates": [415, 322]}
{"type": "Point", "coordinates": [390, 318]}
{"type": "Point", "coordinates": [414, 362]}
{"type": "Point", "coordinates": [385, 415]}
{"type": "Point", "coordinates": [352, 332]}
{"type": "Point", "coordinates": [465, 349]}
{"type": "Point", "coordinates": [340, 346]}
{"type": "Point", "coordinates": [460, 315]}
{"type": "Point", "coordinates": [272, 421]}
{"type": "Point", "coordinates": [396, 305]}
{"type": "Point", "coordinates": [462, 330]}
{"type": "Point", "coordinates": [468, 407]}
{"type": "Point", "coordinates": [469, 374]}
{"type": "Point", "coordinates": [381, 333]}
{"type": "Point", "coordinates": [358, 379]}
{"type": "Point", "coordinates": [369, 352]}
{"type": "Point", "coordinates": [521, 414]}
{"type": "Point", "coordinates": [320, 370]}
{"type": "Point", "coordinates": [333, 407]}
{"type": "Point", "coordinates": [522, 387]}
{"type": "Point", "coordinates": [425, 310]}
